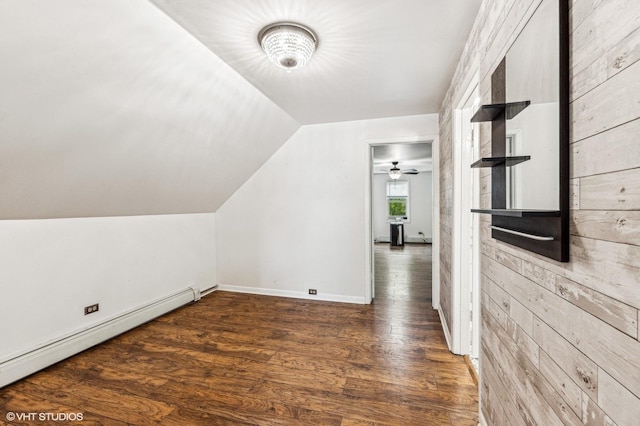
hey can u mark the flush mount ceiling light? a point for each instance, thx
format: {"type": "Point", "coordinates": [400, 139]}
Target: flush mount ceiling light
{"type": "Point", "coordinates": [288, 45]}
{"type": "Point", "coordinates": [395, 173]}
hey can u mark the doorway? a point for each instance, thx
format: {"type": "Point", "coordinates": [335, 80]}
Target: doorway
{"type": "Point", "coordinates": [416, 214]}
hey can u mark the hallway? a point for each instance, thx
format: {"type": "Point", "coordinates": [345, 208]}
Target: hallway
{"type": "Point", "coordinates": [404, 274]}
{"type": "Point", "coordinates": [248, 359]}
{"type": "Point", "coordinates": [403, 297]}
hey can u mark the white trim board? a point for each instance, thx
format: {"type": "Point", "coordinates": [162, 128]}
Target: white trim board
{"type": "Point", "coordinates": [482, 420]}
{"type": "Point", "coordinates": [369, 290]}
{"type": "Point", "coordinates": [292, 294]}
{"type": "Point", "coordinates": [445, 328]}
{"type": "Point", "coordinates": [465, 258]}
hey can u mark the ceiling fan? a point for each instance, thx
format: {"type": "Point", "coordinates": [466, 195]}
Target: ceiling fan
{"type": "Point", "coordinates": [395, 172]}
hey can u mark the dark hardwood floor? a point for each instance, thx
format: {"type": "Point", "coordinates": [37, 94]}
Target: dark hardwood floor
{"type": "Point", "coordinates": [247, 359]}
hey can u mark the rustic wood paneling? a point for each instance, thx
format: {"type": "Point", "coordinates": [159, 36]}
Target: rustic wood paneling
{"type": "Point", "coordinates": [522, 316]}
{"type": "Point", "coordinates": [577, 366]}
{"type": "Point", "coordinates": [592, 336]}
{"type": "Point", "coordinates": [581, 316]}
{"type": "Point", "coordinates": [501, 408]}
{"type": "Point", "coordinates": [570, 392]}
{"type": "Point", "coordinates": [618, 58]}
{"type": "Point", "coordinates": [612, 103]}
{"type": "Point", "coordinates": [446, 216]}
{"type": "Point", "coordinates": [510, 261]}
{"type": "Point", "coordinates": [588, 157]}
{"type": "Point", "coordinates": [605, 25]}
{"type": "Point", "coordinates": [620, 404]}
{"type": "Point", "coordinates": [539, 275]}
{"type": "Point", "coordinates": [499, 296]}
{"type": "Point", "coordinates": [526, 383]}
{"type": "Point", "coordinates": [611, 191]}
{"type": "Point", "coordinates": [581, 9]}
{"type": "Point", "coordinates": [614, 226]}
{"type": "Point", "coordinates": [592, 414]}
{"type": "Point", "coordinates": [524, 342]}
{"type": "Point", "coordinates": [609, 268]}
{"type": "Point", "coordinates": [620, 315]}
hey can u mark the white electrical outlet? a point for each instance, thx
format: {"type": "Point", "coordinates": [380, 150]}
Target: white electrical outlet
{"type": "Point", "coordinates": [91, 309]}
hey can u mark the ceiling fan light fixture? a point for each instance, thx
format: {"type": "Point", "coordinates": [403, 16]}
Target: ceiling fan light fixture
{"type": "Point", "coordinates": [395, 172]}
{"type": "Point", "coordinates": [288, 45]}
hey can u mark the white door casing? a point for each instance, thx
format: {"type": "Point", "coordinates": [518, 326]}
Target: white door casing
{"type": "Point", "coordinates": [369, 290]}
{"type": "Point", "coordinates": [465, 235]}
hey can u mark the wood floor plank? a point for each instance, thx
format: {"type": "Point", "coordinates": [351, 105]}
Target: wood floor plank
{"type": "Point", "coordinates": [289, 341]}
{"type": "Point", "coordinates": [463, 419]}
{"type": "Point", "coordinates": [219, 372]}
{"type": "Point", "coordinates": [21, 402]}
{"type": "Point", "coordinates": [258, 360]}
{"type": "Point", "coordinates": [378, 410]}
{"type": "Point", "coordinates": [366, 389]}
{"type": "Point", "coordinates": [242, 407]}
{"type": "Point", "coordinates": [118, 405]}
{"type": "Point", "coordinates": [353, 422]}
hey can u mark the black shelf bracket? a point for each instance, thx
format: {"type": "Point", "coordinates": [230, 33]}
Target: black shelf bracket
{"type": "Point", "coordinates": [500, 161]}
{"type": "Point", "coordinates": [491, 112]}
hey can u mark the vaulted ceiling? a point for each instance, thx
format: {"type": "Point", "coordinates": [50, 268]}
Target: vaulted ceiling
{"type": "Point", "coordinates": [127, 107]}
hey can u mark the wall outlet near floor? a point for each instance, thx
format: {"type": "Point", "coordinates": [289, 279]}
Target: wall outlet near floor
{"type": "Point", "coordinates": [313, 291]}
{"type": "Point", "coordinates": [91, 309]}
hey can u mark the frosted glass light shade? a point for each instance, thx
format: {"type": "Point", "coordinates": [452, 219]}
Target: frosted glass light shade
{"type": "Point", "coordinates": [395, 173]}
{"type": "Point", "coordinates": [288, 45]}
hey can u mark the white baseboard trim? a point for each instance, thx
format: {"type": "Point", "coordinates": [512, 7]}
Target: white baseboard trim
{"type": "Point", "coordinates": [445, 328]}
{"type": "Point", "coordinates": [31, 361]}
{"type": "Point", "coordinates": [292, 294]}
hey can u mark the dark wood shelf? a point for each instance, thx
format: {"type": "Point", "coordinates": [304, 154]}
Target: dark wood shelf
{"type": "Point", "coordinates": [490, 112]}
{"type": "Point", "coordinates": [499, 161]}
{"type": "Point", "coordinates": [519, 213]}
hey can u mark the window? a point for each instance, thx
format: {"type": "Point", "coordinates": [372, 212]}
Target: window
{"type": "Point", "coordinates": [398, 200]}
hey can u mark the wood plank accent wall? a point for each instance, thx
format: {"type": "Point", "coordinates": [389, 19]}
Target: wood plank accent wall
{"type": "Point", "coordinates": [560, 341]}
{"type": "Point", "coordinates": [446, 216]}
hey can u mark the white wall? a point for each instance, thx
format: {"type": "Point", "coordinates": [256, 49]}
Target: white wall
{"type": "Point", "coordinates": [299, 222]}
{"type": "Point", "coordinates": [51, 269]}
{"type": "Point", "coordinates": [420, 206]}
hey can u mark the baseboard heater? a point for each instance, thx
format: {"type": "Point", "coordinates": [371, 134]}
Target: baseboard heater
{"type": "Point", "coordinates": [35, 360]}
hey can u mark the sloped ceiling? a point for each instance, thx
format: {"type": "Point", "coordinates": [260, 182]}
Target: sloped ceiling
{"type": "Point", "coordinates": [110, 108]}
{"type": "Point", "coordinates": [376, 58]}
{"type": "Point", "coordinates": [128, 107]}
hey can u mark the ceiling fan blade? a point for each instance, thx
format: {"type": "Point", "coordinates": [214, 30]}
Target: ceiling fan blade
{"type": "Point", "coordinates": [410, 172]}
